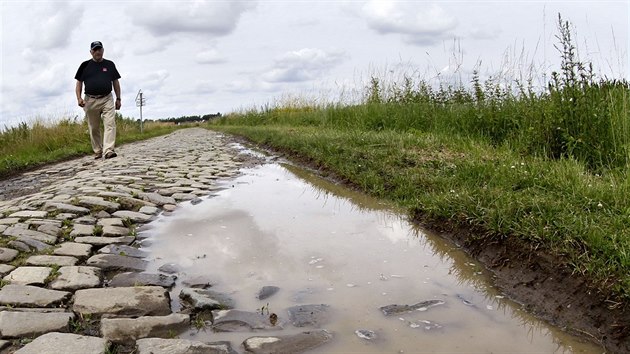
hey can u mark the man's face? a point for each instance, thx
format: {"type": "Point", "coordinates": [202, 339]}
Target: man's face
{"type": "Point", "coordinates": [97, 54]}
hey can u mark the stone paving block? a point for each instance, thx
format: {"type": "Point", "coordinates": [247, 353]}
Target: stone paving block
{"type": "Point", "coordinates": [66, 208]}
{"type": "Point", "coordinates": [123, 250]}
{"type": "Point", "coordinates": [5, 269]}
{"type": "Point", "coordinates": [74, 249]}
{"type": "Point", "coordinates": [7, 254]}
{"type": "Point", "coordinates": [31, 243]}
{"type": "Point", "coordinates": [44, 260]}
{"type": "Point", "coordinates": [28, 275]}
{"type": "Point", "coordinates": [35, 235]}
{"type": "Point", "coordinates": [181, 346]}
{"type": "Point", "coordinates": [110, 222]}
{"type": "Point", "coordinates": [102, 241]}
{"type": "Point", "coordinates": [66, 343]}
{"type": "Point", "coordinates": [150, 210]}
{"type": "Point", "coordinates": [98, 203]}
{"type": "Point", "coordinates": [139, 279]}
{"type": "Point", "coordinates": [130, 329]}
{"type": "Point", "coordinates": [82, 230]}
{"type": "Point", "coordinates": [115, 262]}
{"type": "Point", "coordinates": [3, 227]}
{"type": "Point", "coordinates": [115, 231]}
{"type": "Point", "coordinates": [133, 216]}
{"type": "Point", "coordinates": [157, 199]}
{"type": "Point", "coordinates": [14, 324]}
{"type": "Point", "coordinates": [50, 229]}
{"type": "Point", "coordinates": [85, 220]}
{"type": "Point", "coordinates": [129, 301]}
{"type": "Point", "coordinates": [77, 277]}
{"type": "Point", "coordinates": [29, 214]}
{"type": "Point", "coordinates": [292, 343]}
{"type": "Point", "coordinates": [9, 221]}
{"type": "Point", "coordinates": [31, 296]}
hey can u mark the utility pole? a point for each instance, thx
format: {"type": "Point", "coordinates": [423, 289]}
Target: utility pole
{"type": "Point", "coordinates": [140, 101]}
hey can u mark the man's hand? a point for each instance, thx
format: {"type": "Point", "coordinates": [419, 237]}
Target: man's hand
{"type": "Point", "coordinates": [118, 104]}
{"type": "Point", "coordinates": [81, 102]}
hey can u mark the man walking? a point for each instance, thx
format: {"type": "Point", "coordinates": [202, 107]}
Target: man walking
{"type": "Point", "coordinates": [99, 76]}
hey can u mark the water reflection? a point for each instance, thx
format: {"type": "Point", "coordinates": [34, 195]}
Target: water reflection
{"type": "Point", "coordinates": [323, 243]}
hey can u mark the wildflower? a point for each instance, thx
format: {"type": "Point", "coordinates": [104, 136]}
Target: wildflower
{"type": "Point", "coordinates": [599, 205]}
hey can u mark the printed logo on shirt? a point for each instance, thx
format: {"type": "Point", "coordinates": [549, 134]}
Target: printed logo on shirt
{"type": "Point", "coordinates": [104, 69]}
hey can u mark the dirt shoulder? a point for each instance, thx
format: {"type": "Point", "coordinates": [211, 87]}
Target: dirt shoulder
{"type": "Point", "coordinates": [545, 286]}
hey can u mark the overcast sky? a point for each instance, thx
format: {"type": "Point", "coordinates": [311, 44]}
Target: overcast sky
{"type": "Point", "coordinates": [199, 57]}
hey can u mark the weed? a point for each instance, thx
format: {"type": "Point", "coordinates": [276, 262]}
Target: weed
{"type": "Point", "coordinates": [98, 230]}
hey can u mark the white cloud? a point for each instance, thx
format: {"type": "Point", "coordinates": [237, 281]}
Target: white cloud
{"type": "Point", "coordinates": [209, 56]}
{"type": "Point", "coordinates": [62, 19]}
{"type": "Point", "coordinates": [302, 65]}
{"type": "Point", "coordinates": [48, 83]}
{"type": "Point", "coordinates": [202, 16]}
{"type": "Point", "coordinates": [419, 23]}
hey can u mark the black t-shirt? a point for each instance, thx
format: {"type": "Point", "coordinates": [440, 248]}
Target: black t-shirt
{"type": "Point", "coordinates": [97, 76]}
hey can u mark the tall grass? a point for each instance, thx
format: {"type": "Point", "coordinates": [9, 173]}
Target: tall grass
{"type": "Point", "coordinates": [577, 116]}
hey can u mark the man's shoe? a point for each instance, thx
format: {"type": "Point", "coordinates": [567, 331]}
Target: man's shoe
{"type": "Point", "coordinates": [98, 155]}
{"type": "Point", "coordinates": [110, 154]}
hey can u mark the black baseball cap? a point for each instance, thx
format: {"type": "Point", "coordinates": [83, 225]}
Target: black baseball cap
{"type": "Point", "coordinates": [96, 45]}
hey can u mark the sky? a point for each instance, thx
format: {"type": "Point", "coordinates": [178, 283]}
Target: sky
{"type": "Point", "coordinates": [200, 57]}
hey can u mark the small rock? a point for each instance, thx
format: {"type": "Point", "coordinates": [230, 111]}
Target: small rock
{"type": "Point", "coordinates": [181, 346]}
{"type": "Point", "coordinates": [30, 244]}
{"type": "Point", "coordinates": [266, 292]}
{"type": "Point", "coordinates": [204, 299]}
{"type": "Point", "coordinates": [196, 201]}
{"type": "Point", "coordinates": [169, 268]}
{"type": "Point", "coordinates": [365, 334]}
{"type": "Point", "coordinates": [237, 320]}
{"type": "Point", "coordinates": [309, 315]}
{"type": "Point", "coordinates": [296, 343]}
{"type": "Point", "coordinates": [421, 306]}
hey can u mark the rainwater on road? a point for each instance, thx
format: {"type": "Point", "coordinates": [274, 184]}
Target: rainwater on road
{"type": "Point", "coordinates": [321, 243]}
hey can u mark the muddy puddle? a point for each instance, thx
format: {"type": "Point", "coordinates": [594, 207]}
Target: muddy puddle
{"type": "Point", "coordinates": [320, 243]}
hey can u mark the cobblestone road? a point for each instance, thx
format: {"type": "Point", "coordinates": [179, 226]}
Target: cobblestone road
{"type": "Point", "coordinates": [69, 227]}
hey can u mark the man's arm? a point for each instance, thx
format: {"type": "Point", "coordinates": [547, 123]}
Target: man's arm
{"type": "Point", "coordinates": [77, 91]}
{"type": "Point", "coordinates": [117, 92]}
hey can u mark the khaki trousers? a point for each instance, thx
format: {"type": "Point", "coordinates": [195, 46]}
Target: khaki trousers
{"type": "Point", "coordinates": [95, 109]}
